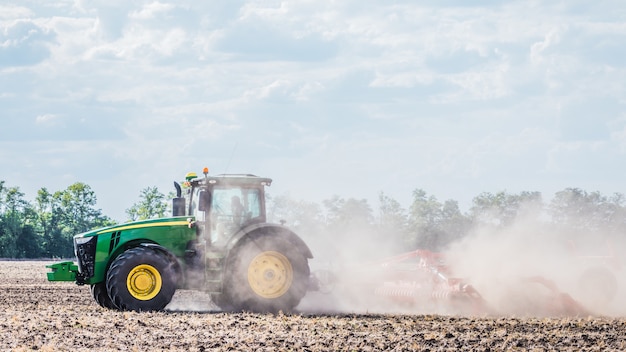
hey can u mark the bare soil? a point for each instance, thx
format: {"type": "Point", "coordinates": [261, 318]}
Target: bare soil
{"type": "Point", "coordinates": [41, 315]}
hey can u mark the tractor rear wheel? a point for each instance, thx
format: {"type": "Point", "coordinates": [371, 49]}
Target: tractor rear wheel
{"type": "Point", "coordinates": [99, 293]}
{"type": "Point", "coordinates": [141, 279]}
{"type": "Point", "coordinates": [265, 274]}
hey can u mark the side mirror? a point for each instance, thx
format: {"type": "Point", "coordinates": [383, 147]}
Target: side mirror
{"type": "Point", "coordinates": [204, 200]}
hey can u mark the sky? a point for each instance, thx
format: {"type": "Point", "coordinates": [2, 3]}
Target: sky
{"type": "Point", "coordinates": [348, 98]}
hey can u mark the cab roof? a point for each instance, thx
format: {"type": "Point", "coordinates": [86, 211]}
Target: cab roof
{"type": "Point", "coordinates": [233, 179]}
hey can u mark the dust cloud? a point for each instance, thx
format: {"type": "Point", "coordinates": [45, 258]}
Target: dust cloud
{"type": "Point", "coordinates": [526, 269]}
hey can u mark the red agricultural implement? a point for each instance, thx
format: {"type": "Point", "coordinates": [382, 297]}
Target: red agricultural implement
{"type": "Point", "coordinates": [421, 281]}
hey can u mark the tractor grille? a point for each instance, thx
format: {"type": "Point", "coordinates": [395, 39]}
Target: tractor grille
{"type": "Point", "coordinates": [86, 255]}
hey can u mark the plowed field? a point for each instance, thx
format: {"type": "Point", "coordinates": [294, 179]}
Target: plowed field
{"type": "Point", "coordinates": [40, 315]}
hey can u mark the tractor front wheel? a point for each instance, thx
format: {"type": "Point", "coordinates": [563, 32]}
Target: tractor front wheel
{"type": "Point", "coordinates": [265, 274]}
{"type": "Point", "coordinates": [99, 293]}
{"type": "Point", "coordinates": [141, 279]}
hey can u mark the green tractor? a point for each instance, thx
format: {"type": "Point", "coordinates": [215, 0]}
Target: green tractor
{"type": "Point", "coordinates": [218, 241]}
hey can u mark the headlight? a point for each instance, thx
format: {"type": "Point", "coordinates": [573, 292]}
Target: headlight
{"type": "Point", "coordinates": [82, 240]}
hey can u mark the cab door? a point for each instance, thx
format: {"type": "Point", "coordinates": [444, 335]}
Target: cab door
{"type": "Point", "coordinates": [232, 209]}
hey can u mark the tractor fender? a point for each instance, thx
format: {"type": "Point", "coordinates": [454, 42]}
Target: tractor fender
{"type": "Point", "coordinates": [265, 229]}
{"type": "Point", "coordinates": [169, 255]}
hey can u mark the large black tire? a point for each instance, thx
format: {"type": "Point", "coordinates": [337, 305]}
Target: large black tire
{"type": "Point", "coordinates": [141, 279]}
{"type": "Point", "coordinates": [265, 274]}
{"type": "Point", "coordinates": [100, 294]}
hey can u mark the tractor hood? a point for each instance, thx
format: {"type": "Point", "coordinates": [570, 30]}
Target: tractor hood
{"type": "Point", "coordinates": [98, 245]}
{"type": "Point", "coordinates": [172, 221]}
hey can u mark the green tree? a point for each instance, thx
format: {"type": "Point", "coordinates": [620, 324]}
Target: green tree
{"type": "Point", "coordinates": [152, 204]}
{"type": "Point", "coordinates": [501, 209]}
{"type": "Point", "coordinates": [454, 224]}
{"type": "Point", "coordinates": [77, 204]}
{"type": "Point", "coordinates": [433, 225]}
{"type": "Point", "coordinates": [28, 243]}
{"type": "Point", "coordinates": [579, 212]}
{"type": "Point", "coordinates": [74, 209]}
{"type": "Point", "coordinates": [50, 224]}
{"type": "Point", "coordinates": [18, 238]}
{"type": "Point", "coordinates": [3, 232]}
{"type": "Point", "coordinates": [348, 215]}
{"type": "Point", "coordinates": [424, 219]}
{"type": "Point", "coordinates": [11, 221]}
{"type": "Point", "coordinates": [393, 220]}
{"type": "Point", "coordinates": [303, 217]}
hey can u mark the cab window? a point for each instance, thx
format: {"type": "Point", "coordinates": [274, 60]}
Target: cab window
{"type": "Point", "coordinates": [231, 209]}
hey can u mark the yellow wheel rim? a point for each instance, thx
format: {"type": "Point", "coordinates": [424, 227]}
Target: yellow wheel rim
{"type": "Point", "coordinates": [270, 274]}
{"type": "Point", "coordinates": [144, 282]}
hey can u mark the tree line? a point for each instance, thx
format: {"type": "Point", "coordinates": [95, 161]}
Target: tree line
{"type": "Point", "coordinates": [572, 215]}
{"type": "Point", "coordinates": [44, 228]}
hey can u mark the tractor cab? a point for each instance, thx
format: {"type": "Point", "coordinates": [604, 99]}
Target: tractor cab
{"type": "Point", "coordinates": [222, 205]}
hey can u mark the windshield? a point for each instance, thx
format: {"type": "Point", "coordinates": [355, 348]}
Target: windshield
{"type": "Point", "coordinates": [232, 208]}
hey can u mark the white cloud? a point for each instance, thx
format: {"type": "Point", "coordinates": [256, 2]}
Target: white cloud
{"type": "Point", "coordinates": [268, 10]}
{"type": "Point", "coordinates": [487, 84]}
{"type": "Point", "coordinates": [307, 91]}
{"type": "Point", "coordinates": [10, 12]}
{"type": "Point", "coordinates": [277, 88]}
{"type": "Point", "coordinates": [404, 95]}
{"type": "Point", "coordinates": [537, 49]}
{"type": "Point", "coordinates": [151, 10]}
{"type": "Point", "coordinates": [46, 119]}
{"type": "Point", "coordinates": [402, 79]}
